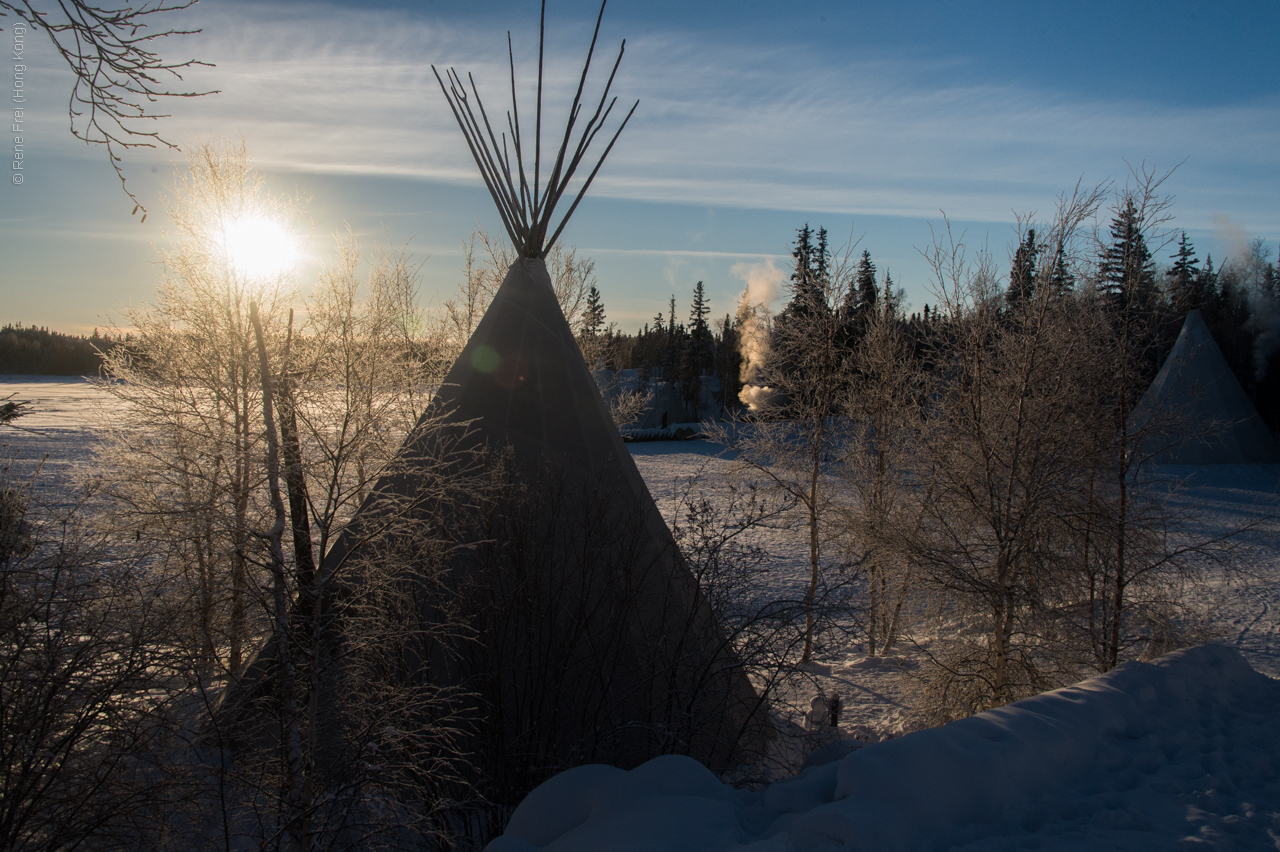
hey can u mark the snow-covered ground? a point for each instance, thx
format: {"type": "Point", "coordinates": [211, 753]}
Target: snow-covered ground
{"type": "Point", "coordinates": [58, 429]}
{"type": "Point", "coordinates": [1182, 753]}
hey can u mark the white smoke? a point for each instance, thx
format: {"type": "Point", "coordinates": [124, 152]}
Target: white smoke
{"type": "Point", "coordinates": [753, 343]}
{"type": "Point", "coordinates": [1247, 260]}
{"type": "Point", "coordinates": [764, 281]}
{"type": "Point", "coordinates": [1231, 232]}
{"type": "Point", "coordinates": [757, 398]}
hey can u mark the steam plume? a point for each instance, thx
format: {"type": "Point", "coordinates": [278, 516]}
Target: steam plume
{"type": "Point", "coordinates": [753, 344]}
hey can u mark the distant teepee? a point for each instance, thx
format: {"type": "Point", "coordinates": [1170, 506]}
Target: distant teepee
{"type": "Point", "coordinates": [1196, 409]}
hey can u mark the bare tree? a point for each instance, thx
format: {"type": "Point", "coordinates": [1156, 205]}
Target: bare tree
{"type": "Point", "coordinates": [250, 438]}
{"type": "Point", "coordinates": [1007, 443]}
{"type": "Point", "coordinates": [628, 406]}
{"type": "Point", "coordinates": [1135, 553]}
{"type": "Point", "coordinates": [885, 405]}
{"type": "Point", "coordinates": [1056, 549]}
{"type": "Point", "coordinates": [187, 462]}
{"type": "Point", "coordinates": [87, 679]}
{"type": "Point", "coordinates": [118, 77]}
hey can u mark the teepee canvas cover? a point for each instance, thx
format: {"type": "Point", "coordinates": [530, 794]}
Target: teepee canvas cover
{"type": "Point", "coordinates": [595, 643]}
{"type": "Point", "coordinates": [1210, 419]}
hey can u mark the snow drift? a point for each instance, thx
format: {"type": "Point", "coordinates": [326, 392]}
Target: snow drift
{"type": "Point", "coordinates": [1185, 749]}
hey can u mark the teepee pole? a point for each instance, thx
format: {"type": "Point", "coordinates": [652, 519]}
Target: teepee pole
{"type": "Point", "coordinates": [537, 133]}
{"type": "Point", "coordinates": [527, 211]}
{"type": "Point", "coordinates": [457, 103]}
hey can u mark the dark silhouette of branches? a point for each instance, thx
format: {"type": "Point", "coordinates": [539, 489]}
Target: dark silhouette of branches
{"type": "Point", "coordinates": [118, 74]}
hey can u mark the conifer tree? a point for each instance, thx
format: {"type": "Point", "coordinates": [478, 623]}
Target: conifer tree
{"type": "Point", "coordinates": [670, 355]}
{"type": "Point", "coordinates": [697, 354]}
{"type": "Point", "coordinates": [803, 255]}
{"type": "Point", "coordinates": [809, 274]}
{"type": "Point", "coordinates": [1181, 277]}
{"type": "Point", "coordinates": [888, 301]}
{"type": "Point", "coordinates": [820, 262]}
{"type": "Point", "coordinates": [864, 283]}
{"type": "Point", "coordinates": [728, 359]}
{"type": "Point", "coordinates": [593, 317]}
{"type": "Point", "coordinates": [1127, 272]}
{"type": "Point", "coordinates": [1061, 281]}
{"type": "Point", "coordinates": [1022, 276]}
{"type": "Point", "coordinates": [700, 341]}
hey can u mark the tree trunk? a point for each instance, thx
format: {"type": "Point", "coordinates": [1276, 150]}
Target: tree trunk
{"type": "Point", "coordinates": [297, 807]}
{"type": "Point", "coordinates": [814, 548]}
{"type": "Point", "coordinates": [1117, 602]}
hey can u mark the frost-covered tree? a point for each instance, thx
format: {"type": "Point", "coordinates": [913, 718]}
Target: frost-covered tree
{"type": "Point", "coordinates": [1126, 270]}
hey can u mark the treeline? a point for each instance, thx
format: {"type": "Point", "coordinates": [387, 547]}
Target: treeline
{"type": "Point", "coordinates": [1239, 299]}
{"type": "Point", "coordinates": [40, 352]}
{"type": "Point", "coordinates": [686, 355]}
{"type": "Point", "coordinates": [701, 354]}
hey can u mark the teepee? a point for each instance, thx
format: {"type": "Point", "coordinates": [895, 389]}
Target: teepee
{"type": "Point", "coordinates": [1196, 410]}
{"type": "Point", "coordinates": [587, 638]}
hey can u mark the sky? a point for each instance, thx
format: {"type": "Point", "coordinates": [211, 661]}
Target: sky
{"type": "Point", "coordinates": [872, 120]}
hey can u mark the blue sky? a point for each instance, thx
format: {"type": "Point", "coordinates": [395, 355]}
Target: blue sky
{"type": "Point", "coordinates": [754, 118]}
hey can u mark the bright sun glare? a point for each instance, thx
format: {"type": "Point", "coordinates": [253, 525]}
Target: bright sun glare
{"type": "Point", "coordinates": [260, 247]}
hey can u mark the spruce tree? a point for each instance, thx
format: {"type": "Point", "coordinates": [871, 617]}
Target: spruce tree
{"type": "Point", "coordinates": [802, 252]}
{"type": "Point", "coordinates": [808, 273]}
{"type": "Point", "coordinates": [670, 353]}
{"type": "Point", "coordinates": [700, 342]}
{"type": "Point", "coordinates": [698, 354]}
{"type": "Point", "coordinates": [593, 316]}
{"type": "Point", "coordinates": [1180, 279]}
{"type": "Point", "coordinates": [1022, 276]}
{"type": "Point", "coordinates": [888, 301]}
{"type": "Point", "coordinates": [728, 361]}
{"type": "Point", "coordinates": [1061, 282]}
{"type": "Point", "coordinates": [819, 263]}
{"type": "Point", "coordinates": [864, 282]}
{"type": "Point", "coordinates": [1127, 272]}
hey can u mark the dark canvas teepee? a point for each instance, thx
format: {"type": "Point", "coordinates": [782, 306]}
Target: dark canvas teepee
{"type": "Point", "coordinates": [586, 637]}
{"type": "Point", "coordinates": [1204, 415]}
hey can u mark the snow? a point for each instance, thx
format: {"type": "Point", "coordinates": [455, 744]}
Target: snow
{"type": "Point", "coordinates": [58, 428]}
{"type": "Point", "coordinates": [1180, 753]}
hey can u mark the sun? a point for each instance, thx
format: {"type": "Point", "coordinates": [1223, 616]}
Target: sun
{"type": "Point", "coordinates": [259, 247]}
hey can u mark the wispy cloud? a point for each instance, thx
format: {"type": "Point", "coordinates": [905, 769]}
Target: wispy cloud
{"type": "Point", "coordinates": [330, 88]}
{"type": "Point", "coordinates": [682, 253]}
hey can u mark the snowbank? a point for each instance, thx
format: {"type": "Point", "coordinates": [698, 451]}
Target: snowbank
{"type": "Point", "coordinates": [1180, 753]}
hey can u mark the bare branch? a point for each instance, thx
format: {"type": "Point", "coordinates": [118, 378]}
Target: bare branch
{"type": "Point", "coordinates": [118, 75]}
